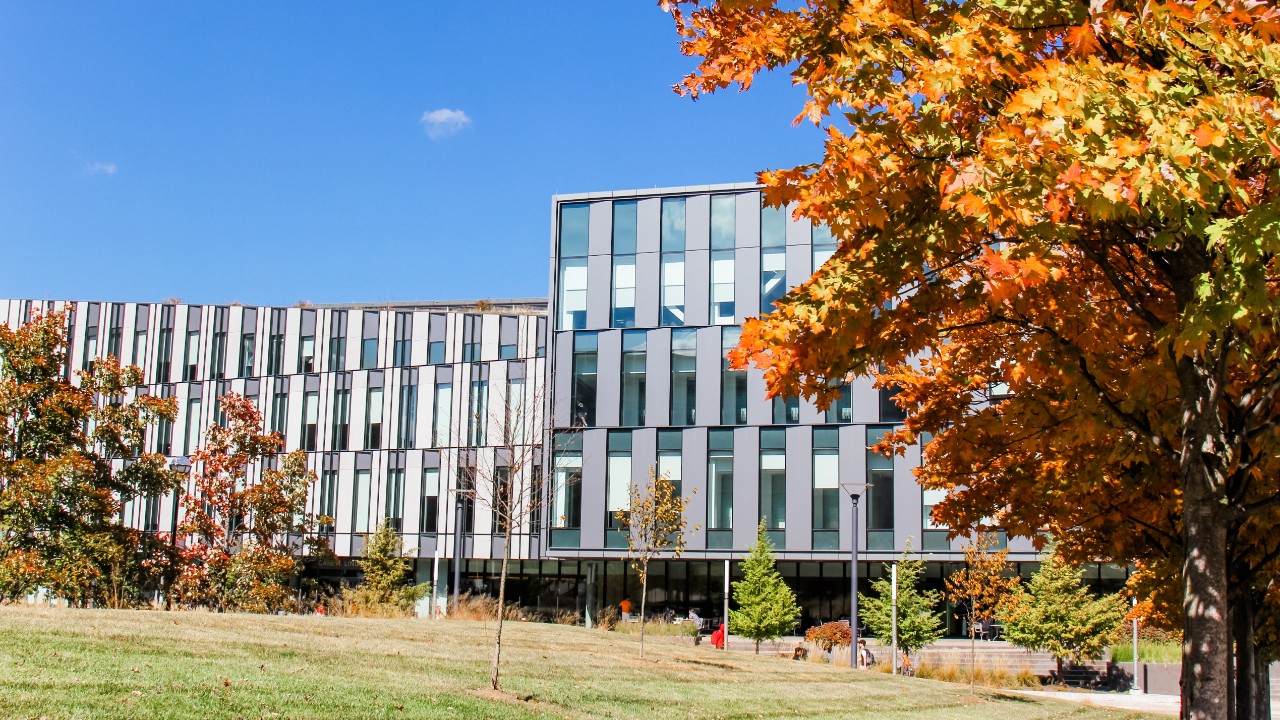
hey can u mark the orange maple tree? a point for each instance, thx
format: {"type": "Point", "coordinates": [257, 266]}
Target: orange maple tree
{"type": "Point", "coordinates": [244, 538]}
{"type": "Point", "coordinates": [1058, 224]}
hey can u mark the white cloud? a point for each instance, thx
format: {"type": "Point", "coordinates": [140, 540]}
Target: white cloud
{"type": "Point", "coordinates": [444, 122]}
{"type": "Point", "coordinates": [100, 168]}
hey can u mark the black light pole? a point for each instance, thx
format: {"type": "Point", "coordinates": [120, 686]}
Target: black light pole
{"type": "Point", "coordinates": [855, 492]}
{"type": "Point", "coordinates": [180, 464]}
{"type": "Point", "coordinates": [458, 539]}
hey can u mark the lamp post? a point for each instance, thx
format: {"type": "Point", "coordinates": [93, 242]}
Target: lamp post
{"type": "Point", "coordinates": [855, 490]}
{"type": "Point", "coordinates": [180, 464]}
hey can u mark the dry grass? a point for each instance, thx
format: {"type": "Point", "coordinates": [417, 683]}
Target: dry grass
{"type": "Point", "coordinates": [148, 664]}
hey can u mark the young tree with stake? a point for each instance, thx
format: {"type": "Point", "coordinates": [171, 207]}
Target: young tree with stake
{"type": "Point", "coordinates": [982, 587]}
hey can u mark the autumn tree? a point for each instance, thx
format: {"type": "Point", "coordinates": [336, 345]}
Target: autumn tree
{"type": "Point", "coordinates": [508, 484]}
{"type": "Point", "coordinates": [655, 525]}
{"type": "Point", "coordinates": [919, 623]}
{"type": "Point", "coordinates": [244, 538]}
{"type": "Point", "coordinates": [982, 587]}
{"type": "Point", "coordinates": [767, 607]}
{"type": "Point", "coordinates": [1070, 207]}
{"type": "Point", "coordinates": [70, 456]}
{"type": "Point", "coordinates": [1057, 614]}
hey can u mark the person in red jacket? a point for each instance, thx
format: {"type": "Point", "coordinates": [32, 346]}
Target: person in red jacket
{"type": "Point", "coordinates": [717, 637]}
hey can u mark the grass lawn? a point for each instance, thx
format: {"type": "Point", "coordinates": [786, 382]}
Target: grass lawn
{"type": "Point", "coordinates": [122, 664]}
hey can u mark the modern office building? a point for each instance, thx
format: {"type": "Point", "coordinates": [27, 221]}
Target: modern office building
{"type": "Point", "coordinates": [622, 371]}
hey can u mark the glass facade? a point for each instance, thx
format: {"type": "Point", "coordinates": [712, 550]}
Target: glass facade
{"type": "Point", "coordinates": [684, 376]}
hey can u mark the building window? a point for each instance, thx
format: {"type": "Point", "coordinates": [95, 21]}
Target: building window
{"type": "Point", "coordinates": [191, 363]}
{"type": "Point", "coordinates": [275, 343]}
{"type": "Point", "coordinates": [90, 348]}
{"type": "Point", "coordinates": [400, 352]}
{"type": "Point", "coordinates": [369, 341]}
{"type": "Point", "coordinates": [279, 407]}
{"type": "Point", "coordinates": [624, 291]}
{"type": "Point", "coordinates": [218, 356]}
{"type": "Point", "coordinates": [573, 293]}
{"type": "Point", "coordinates": [541, 349]}
{"type": "Point", "coordinates": [617, 487]}
{"type": "Point", "coordinates": [624, 227]}
{"type": "Point", "coordinates": [670, 463]}
{"type": "Point", "coordinates": [879, 493]}
{"type": "Point", "coordinates": [773, 227]}
{"type": "Point", "coordinates": [373, 419]}
{"type": "Point", "coordinates": [841, 409]}
{"type": "Point", "coordinates": [471, 337]}
{"type": "Point", "coordinates": [310, 419]}
{"type": "Point", "coordinates": [574, 223]}
{"type": "Point", "coordinates": [407, 425]}
{"type": "Point", "coordinates": [508, 335]}
{"type": "Point", "coordinates": [360, 503]}
{"type": "Point", "coordinates": [247, 342]}
{"type": "Point", "coordinates": [719, 489]}
{"type": "Point", "coordinates": [723, 308]}
{"type": "Point", "coordinates": [673, 288]}
{"type": "Point", "coordinates": [341, 419]}
{"type": "Point", "coordinates": [115, 330]}
{"type": "Point", "coordinates": [673, 217]}
{"type": "Point", "coordinates": [724, 222]}
{"type": "Point", "coordinates": [503, 504]}
{"type": "Point", "coordinates": [140, 348]}
{"type": "Point", "coordinates": [826, 489]}
{"type": "Point", "coordinates": [437, 328]}
{"type": "Point", "coordinates": [394, 508]}
{"type": "Point", "coordinates": [566, 490]}
{"type": "Point", "coordinates": [889, 410]}
{"type": "Point", "coordinates": [584, 379]}
{"type": "Point", "coordinates": [191, 440]}
{"type": "Point", "coordinates": [428, 516]}
{"type": "Point", "coordinates": [478, 407]}
{"type": "Point", "coordinates": [773, 483]}
{"type": "Point", "coordinates": [786, 410]}
{"type": "Point", "coordinates": [466, 497]}
{"type": "Point", "coordinates": [328, 500]}
{"type": "Point", "coordinates": [307, 354]}
{"type": "Point", "coordinates": [824, 246]}
{"type": "Point", "coordinates": [164, 345]}
{"type": "Point", "coordinates": [338, 341]}
{"type": "Point", "coordinates": [634, 359]}
{"type": "Point", "coordinates": [773, 277]}
{"type": "Point", "coordinates": [733, 382]}
{"type": "Point", "coordinates": [441, 413]}
{"type": "Point", "coordinates": [684, 382]}
{"type": "Point", "coordinates": [515, 422]}
{"type": "Point", "coordinates": [164, 436]}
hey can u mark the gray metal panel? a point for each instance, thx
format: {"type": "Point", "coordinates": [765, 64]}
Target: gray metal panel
{"type": "Point", "coordinates": [799, 488]}
{"type": "Point", "coordinates": [746, 287]}
{"type": "Point", "coordinates": [853, 467]}
{"type": "Point", "coordinates": [599, 290]}
{"type": "Point", "coordinates": [746, 486]}
{"type": "Point", "coordinates": [600, 228]}
{"type": "Point", "coordinates": [694, 471]}
{"type": "Point", "coordinates": [697, 222]}
{"type": "Point", "coordinates": [608, 374]}
{"type": "Point", "coordinates": [697, 287]}
{"type": "Point", "coordinates": [648, 225]}
{"type": "Point", "coordinates": [708, 374]}
{"type": "Point", "coordinates": [647, 288]}
{"type": "Point", "coordinates": [658, 378]}
{"type": "Point", "coordinates": [644, 453]}
{"type": "Point", "coordinates": [562, 381]}
{"type": "Point", "coordinates": [594, 459]}
{"type": "Point", "coordinates": [799, 258]}
{"type": "Point", "coordinates": [908, 512]}
{"type": "Point", "coordinates": [864, 401]}
{"type": "Point", "coordinates": [748, 220]}
{"type": "Point", "coordinates": [799, 232]}
{"type": "Point", "coordinates": [759, 407]}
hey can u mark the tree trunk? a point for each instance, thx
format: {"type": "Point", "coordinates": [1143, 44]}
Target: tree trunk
{"type": "Point", "coordinates": [1206, 647]}
{"type": "Point", "coordinates": [1252, 674]}
{"type": "Point", "coordinates": [973, 652]}
{"type": "Point", "coordinates": [757, 647]}
{"type": "Point", "coordinates": [502, 611]}
{"type": "Point", "coordinates": [644, 594]}
{"type": "Point", "coordinates": [1206, 644]}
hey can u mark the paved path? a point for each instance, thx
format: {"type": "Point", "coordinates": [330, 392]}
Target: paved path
{"type": "Point", "coordinates": [1161, 704]}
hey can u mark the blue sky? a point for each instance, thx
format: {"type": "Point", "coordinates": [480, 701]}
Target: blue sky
{"type": "Point", "coordinates": [274, 152]}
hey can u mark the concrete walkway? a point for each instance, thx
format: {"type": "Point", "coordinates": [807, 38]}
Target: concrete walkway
{"type": "Point", "coordinates": [1159, 704]}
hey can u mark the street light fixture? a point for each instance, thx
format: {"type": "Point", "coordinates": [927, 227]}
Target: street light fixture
{"type": "Point", "coordinates": [855, 491]}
